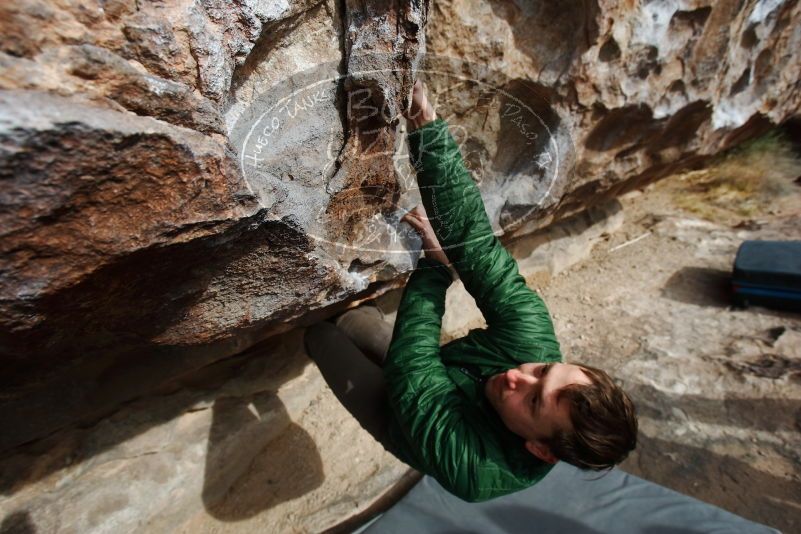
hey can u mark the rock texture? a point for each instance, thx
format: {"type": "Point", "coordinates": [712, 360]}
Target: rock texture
{"type": "Point", "coordinates": [247, 443]}
{"type": "Point", "coordinates": [626, 92]}
{"type": "Point", "coordinates": [181, 179]}
{"type": "Point", "coordinates": [132, 241]}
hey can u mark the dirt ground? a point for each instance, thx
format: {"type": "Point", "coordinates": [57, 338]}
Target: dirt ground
{"type": "Point", "coordinates": [718, 389]}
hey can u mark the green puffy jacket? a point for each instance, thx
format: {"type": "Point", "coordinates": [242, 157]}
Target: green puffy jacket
{"type": "Point", "coordinates": [442, 423]}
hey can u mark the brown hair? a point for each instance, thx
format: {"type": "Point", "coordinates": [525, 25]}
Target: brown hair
{"type": "Point", "coordinates": [604, 424]}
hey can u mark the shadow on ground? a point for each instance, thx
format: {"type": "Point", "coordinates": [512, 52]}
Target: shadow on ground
{"type": "Point", "coordinates": [256, 457]}
{"type": "Point", "coordinates": [719, 480]}
{"type": "Point", "coordinates": [273, 461]}
{"type": "Point", "coordinates": [17, 523]}
{"type": "Point", "coordinates": [700, 286]}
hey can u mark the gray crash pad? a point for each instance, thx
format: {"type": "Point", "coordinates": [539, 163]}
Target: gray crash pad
{"type": "Point", "coordinates": [568, 500]}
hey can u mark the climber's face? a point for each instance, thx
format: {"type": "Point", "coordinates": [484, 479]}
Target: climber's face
{"type": "Point", "coordinates": [528, 401]}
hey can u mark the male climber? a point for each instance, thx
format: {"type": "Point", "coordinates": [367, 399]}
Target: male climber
{"type": "Point", "coordinates": [489, 413]}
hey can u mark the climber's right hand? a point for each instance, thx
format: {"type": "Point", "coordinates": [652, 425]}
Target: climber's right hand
{"type": "Point", "coordinates": [420, 112]}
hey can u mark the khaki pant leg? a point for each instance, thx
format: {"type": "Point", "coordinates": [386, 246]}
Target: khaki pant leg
{"type": "Point", "coordinates": [356, 381]}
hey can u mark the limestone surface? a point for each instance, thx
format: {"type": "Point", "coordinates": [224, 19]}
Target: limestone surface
{"type": "Point", "coordinates": [181, 180]}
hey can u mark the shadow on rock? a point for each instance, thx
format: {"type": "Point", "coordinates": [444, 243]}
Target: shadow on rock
{"type": "Point", "coordinates": [701, 286]}
{"type": "Point", "coordinates": [263, 367]}
{"type": "Point", "coordinates": [99, 344]}
{"type": "Point", "coordinates": [17, 523]}
{"type": "Point", "coordinates": [551, 30]}
{"type": "Point", "coordinates": [257, 458]}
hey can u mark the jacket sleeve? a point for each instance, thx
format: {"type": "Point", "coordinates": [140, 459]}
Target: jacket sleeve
{"type": "Point", "coordinates": [425, 401]}
{"type": "Point", "coordinates": [518, 322]}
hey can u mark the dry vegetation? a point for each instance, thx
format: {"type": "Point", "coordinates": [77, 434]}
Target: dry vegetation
{"type": "Point", "coordinates": [753, 179]}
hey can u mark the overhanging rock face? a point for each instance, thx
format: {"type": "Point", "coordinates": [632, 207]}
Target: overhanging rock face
{"type": "Point", "coordinates": [639, 89]}
{"type": "Point", "coordinates": [155, 218]}
{"type": "Point", "coordinates": [134, 248]}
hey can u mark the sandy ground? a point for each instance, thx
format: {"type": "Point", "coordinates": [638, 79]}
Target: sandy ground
{"type": "Point", "coordinates": [718, 389]}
